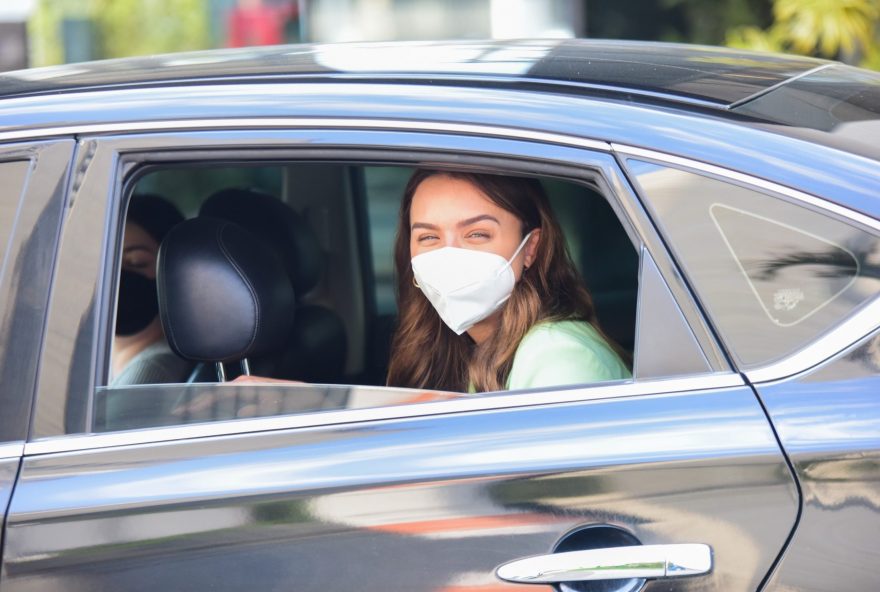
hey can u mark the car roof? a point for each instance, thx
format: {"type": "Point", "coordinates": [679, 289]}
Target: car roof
{"type": "Point", "coordinates": [708, 76]}
{"type": "Point", "coordinates": [786, 118]}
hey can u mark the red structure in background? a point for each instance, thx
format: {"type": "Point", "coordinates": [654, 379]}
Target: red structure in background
{"type": "Point", "coordinates": [254, 22]}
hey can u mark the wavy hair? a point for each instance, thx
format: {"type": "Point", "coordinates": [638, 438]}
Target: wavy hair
{"type": "Point", "coordinates": [425, 353]}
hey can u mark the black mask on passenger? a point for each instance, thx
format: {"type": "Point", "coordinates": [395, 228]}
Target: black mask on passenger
{"type": "Point", "coordinates": [138, 303]}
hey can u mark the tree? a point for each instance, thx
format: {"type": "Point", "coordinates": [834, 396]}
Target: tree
{"type": "Point", "coordinates": [122, 27]}
{"type": "Point", "coordinates": [840, 29]}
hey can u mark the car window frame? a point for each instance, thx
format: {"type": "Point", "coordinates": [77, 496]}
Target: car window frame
{"type": "Point", "coordinates": [69, 379]}
{"type": "Point", "coordinates": [25, 282]}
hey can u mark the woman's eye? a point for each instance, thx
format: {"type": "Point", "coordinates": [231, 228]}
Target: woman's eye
{"type": "Point", "coordinates": [479, 234]}
{"type": "Point", "coordinates": [138, 262]}
{"type": "Point", "coordinates": [426, 237]}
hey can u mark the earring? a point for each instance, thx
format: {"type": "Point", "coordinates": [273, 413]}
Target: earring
{"type": "Point", "coordinates": [416, 284]}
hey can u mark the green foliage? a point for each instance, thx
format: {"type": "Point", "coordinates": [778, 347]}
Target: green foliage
{"type": "Point", "coordinates": [707, 21]}
{"type": "Point", "coordinates": [142, 27]}
{"type": "Point", "coordinates": [872, 57]}
{"type": "Point", "coordinates": [839, 29]}
{"type": "Point", "coordinates": [829, 27]}
{"type": "Point", "coordinates": [756, 39]}
{"type": "Point", "coordinates": [124, 27]}
{"type": "Point", "coordinates": [44, 34]}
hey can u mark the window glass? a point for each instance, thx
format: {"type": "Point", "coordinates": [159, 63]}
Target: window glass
{"type": "Point", "coordinates": [12, 178]}
{"type": "Point", "coordinates": [773, 275]}
{"type": "Point", "coordinates": [188, 187]}
{"type": "Point", "coordinates": [384, 186]}
{"type": "Point", "coordinates": [309, 222]}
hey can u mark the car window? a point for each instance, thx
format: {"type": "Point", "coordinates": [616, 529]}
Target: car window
{"type": "Point", "coordinates": [346, 223]}
{"type": "Point", "coordinates": [773, 275]}
{"type": "Point", "coordinates": [384, 186]}
{"type": "Point", "coordinates": [12, 178]}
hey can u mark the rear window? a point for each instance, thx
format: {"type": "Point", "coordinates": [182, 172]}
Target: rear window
{"type": "Point", "coordinates": [773, 275]}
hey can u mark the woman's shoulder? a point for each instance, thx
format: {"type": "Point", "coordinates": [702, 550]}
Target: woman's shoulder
{"type": "Point", "coordinates": [562, 335]}
{"type": "Point", "coordinates": [564, 352]}
{"type": "Point", "coordinates": [155, 364]}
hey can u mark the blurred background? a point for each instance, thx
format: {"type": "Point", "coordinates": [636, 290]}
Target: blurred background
{"type": "Point", "coordinates": [49, 32]}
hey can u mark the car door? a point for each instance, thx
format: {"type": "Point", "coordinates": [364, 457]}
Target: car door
{"type": "Point", "coordinates": [421, 496]}
{"type": "Point", "coordinates": [32, 177]}
{"type": "Point", "coordinates": [792, 284]}
{"type": "Point", "coordinates": [828, 421]}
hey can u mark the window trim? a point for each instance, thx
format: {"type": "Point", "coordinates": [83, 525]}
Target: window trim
{"type": "Point", "coordinates": [11, 450]}
{"type": "Point", "coordinates": [283, 123]}
{"type": "Point", "coordinates": [749, 181]}
{"type": "Point", "coordinates": [465, 404]}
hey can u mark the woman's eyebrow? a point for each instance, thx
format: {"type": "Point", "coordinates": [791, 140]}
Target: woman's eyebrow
{"type": "Point", "coordinates": [461, 224]}
{"type": "Point", "coordinates": [131, 248]}
{"type": "Point", "coordinates": [476, 219]}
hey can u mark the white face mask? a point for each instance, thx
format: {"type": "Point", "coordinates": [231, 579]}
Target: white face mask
{"type": "Point", "coordinates": [464, 285]}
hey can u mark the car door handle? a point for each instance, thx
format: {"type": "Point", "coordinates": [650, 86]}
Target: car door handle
{"type": "Point", "coordinates": [612, 563]}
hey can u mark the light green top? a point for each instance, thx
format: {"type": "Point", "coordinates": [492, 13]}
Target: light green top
{"type": "Point", "coordinates": [564, 352]}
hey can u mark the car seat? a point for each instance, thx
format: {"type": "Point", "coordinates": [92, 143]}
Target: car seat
{"type": "Point", "coordinates": [315, 349]}
{"type": "Point", "coordinates": [224, 295]}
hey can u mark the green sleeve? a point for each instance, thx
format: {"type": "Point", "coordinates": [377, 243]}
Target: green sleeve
{"type": "Point", "coordinates": [564, 354]}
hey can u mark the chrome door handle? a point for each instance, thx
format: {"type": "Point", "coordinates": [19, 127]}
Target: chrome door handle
{"type": "Point", "coordinates": [612, 563]}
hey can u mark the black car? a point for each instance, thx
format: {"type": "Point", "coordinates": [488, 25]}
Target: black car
{"type": "Point", "coordinates": [722, 207]}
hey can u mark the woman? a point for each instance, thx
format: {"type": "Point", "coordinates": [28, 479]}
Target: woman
{"type": "Point", "coordinates": [488, 297]}
{"type": "Point", "coordinates": [140, 353]}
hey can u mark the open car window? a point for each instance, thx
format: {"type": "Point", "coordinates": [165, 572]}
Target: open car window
{"type": "Point", "coordinates": [344, 223]}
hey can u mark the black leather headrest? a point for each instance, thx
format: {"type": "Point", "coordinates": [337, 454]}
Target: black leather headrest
{"type": "Point", "coordinates": [277, 224]}
{"type": "Point", "coordinates": [223, 293]}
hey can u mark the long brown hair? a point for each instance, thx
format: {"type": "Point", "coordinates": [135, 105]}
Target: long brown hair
{"type": "Point", "coordinates": [425, 353]}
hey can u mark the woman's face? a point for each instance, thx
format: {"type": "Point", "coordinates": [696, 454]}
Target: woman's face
{"type": "Point", "coordinates": [450, 212]}
{"type": "Point", "coordinates": [139, 251]}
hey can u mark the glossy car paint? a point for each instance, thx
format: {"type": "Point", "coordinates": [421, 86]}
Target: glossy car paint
{"type": "Point", "coordinates": [431, 503]}
{"type": "Point", "coordinates": [9, 463]}
{"type": "Point", "coordinates": [687, 73]}
{"type": "Point", "coordinates": [829, 423]}
{"type": "Point", "coordinates": [26, 275]}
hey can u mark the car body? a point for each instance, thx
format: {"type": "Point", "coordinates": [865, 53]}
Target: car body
{"type": "Point", "coordinates": [743, 191]}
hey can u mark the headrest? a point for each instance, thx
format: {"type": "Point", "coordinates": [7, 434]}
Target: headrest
{"type": "Point", "coordinates": [277, 224]}
{"type": "Point", "coordinates": [223, 294]}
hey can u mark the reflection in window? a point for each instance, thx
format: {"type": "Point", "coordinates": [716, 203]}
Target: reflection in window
{"type": "Point", "coordinates": [792, 273]}
{"type": "Point", "coordinates": [12, 179]}
{"type": "Point", "coordinates": [772, 275]}
{"type": "Point", "coordinates": [146, 406]}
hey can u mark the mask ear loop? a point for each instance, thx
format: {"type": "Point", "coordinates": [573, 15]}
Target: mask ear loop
{"type": "Point", "coordinates": [415, 283]}
{"type": "Point", "coordinates": [518, 249]}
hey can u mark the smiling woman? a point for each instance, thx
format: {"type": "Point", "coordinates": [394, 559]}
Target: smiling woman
{"type": "Point", "coordinates": [489, 297]}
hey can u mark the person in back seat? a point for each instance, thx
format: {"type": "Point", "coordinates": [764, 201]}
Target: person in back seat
{"type": "Point", "coordinates": [489, 298]}
{"type": "Point", "coordinates": [140, 353]}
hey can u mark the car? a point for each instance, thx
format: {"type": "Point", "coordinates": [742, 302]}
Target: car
{"type": "Point", "coordinates": [722, 206]}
